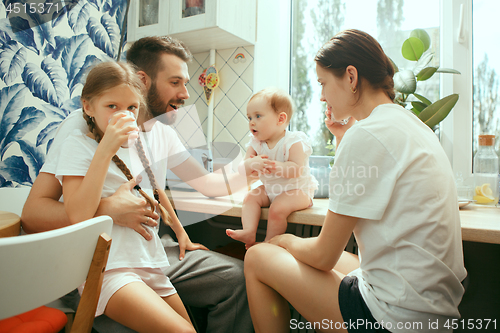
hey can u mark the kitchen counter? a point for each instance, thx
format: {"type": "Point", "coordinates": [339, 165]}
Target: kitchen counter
{"type": "Point", "coordinates": [479, 223]}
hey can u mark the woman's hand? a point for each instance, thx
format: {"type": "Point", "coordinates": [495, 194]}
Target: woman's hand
{"type": "Point", "coordinates": [336, 128]}
{"type": "Point", "coordinates": [186, 244]}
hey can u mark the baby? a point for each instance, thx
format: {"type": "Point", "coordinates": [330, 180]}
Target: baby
{"type": "Point", "coordinates": [281, 159]}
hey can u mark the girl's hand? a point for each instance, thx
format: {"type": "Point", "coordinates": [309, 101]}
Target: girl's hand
{"type": "Point", "coordinates": [186, 244]}
{"type": "Point", "coordinates": [117, 132]}
{"type": "Point", "coordinates": [337, 129]}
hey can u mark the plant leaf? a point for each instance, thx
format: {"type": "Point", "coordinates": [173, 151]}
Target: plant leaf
{"type": "Point", "coordinates": [423, 62]}
{"type": "Point", "coordinates": [116, 8]}
{"type": "Point", "coordinates": [43, 28]}
{"type": "Point", "coordinates": [419, 106]}
{"type": "Point", "coordinates": [404, 82]}
{"type": "Point", "coordinates": [48, 83]}
{"type": "Point", "coordinates": [448, 70]}
{"type": "Point", "coordinates": [105, 34]}
{"type": "Point", "coordinates": [96, 3]}
{"type": "Point", "coordinates": [51, 110]}
{"type": "Point", "coordinates": [47, 133]}
{"type": "Point", "coordinates": [436, 112]}
{"type": "Point", "coordinates": [60, 45]}
{"type": "Point", "coordinates": [34, 157]}
{"type": "Point", "coordinates": [15, 170]}
{"type": "Point", "coordinates": [19, 29]}
{"type": "Point", "coordinates": [78, 16]}
{"type": "Point", "coordinates": [12, 61]}
{"type": "Point", "coordinates": [422, 99]}
{"type": "Point", "coordinates": [11, 104]}
{"type": "Point", "coordinates": [423, 36]}
{"type": "Point", "coordinates": [74, 53]}
{"type": "Point", "coordinates": [412, 49]}
{"type": "Point", "coordinates": [29, 119]}
{"type": "Point", "coordinates": [426, 73]}
{"type": "Point", "coordinates": [396, 69]}
{"type": "Point", "coordinates": [90, 60]}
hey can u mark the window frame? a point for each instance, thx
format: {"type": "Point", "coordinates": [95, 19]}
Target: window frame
{"type": "Point", "coordinates": [456, 53]}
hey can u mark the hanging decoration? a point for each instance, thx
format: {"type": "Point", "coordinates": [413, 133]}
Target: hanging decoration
{"type": "Point", "coordinates": [209, 80]}
{"type": "Point", "coordinates": [240, 57]}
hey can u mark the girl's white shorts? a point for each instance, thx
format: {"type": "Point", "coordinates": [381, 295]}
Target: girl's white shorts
{"type": "Point", "coordinates": [115, 279]}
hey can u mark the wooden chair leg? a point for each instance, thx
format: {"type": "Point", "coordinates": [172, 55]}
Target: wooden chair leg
{"type": "Point", "coordinates": [84, 317]}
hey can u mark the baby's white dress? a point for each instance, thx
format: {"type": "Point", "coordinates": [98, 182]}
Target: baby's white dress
{"type": "Point", "coordinates": [275, 185]}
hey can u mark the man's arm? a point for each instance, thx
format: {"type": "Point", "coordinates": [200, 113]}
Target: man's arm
{"type": "Point", "coordinates": [208, 184]}
{"type": "Point", "coordinates": [42, 210]}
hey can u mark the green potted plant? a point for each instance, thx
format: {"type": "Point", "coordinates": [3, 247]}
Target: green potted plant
{"type": "Point", "coordinates": [416, 48]}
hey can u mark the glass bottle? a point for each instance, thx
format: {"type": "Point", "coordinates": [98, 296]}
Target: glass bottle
{"type": "Point", "coordinates": [486, 172]}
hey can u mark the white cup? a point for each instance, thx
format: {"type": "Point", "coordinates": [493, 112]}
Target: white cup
{"type": "Point", "coordinates": [132, 135]}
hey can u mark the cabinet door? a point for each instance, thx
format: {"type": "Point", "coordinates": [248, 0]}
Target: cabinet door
{"type": "Point", "coordinates": [147, 18]}
{"type": "Point", "coordinates": [192, 15]}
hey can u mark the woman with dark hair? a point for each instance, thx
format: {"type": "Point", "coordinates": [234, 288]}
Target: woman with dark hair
{"type": "Point", "coordinates": [392, 185]}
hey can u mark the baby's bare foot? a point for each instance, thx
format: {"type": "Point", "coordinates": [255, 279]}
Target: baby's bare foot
{"type": "Point", "coordinates": [242, 235]}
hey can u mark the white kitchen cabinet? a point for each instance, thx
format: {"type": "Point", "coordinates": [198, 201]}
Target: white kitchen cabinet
{"type": "Point", "coordinates": [201, 24]}
{"type": "Point", "coordinates": [147, 18]}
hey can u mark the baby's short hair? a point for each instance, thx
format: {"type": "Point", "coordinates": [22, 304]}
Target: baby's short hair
{"type": "Point", "coordinates": [279, 100]}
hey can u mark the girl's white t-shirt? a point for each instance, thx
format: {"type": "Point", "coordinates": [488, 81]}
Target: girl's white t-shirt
{"type": "Point", "coordinates": [391, 172]}
{"type": "Point", "coordinates": [73, 157]}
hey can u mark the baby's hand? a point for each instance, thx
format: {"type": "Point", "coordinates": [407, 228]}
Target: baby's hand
{"type": "Point", "coordinates": [261, 164]}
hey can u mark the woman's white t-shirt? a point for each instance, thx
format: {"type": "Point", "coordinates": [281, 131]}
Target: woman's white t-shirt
{"type": "Point", "coordinates": [391, 172]}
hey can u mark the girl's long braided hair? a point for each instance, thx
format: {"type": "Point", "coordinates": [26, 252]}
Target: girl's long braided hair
{"type": "Point", "coordinates": [105, 76]}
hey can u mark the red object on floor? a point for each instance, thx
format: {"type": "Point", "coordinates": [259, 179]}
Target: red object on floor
{"type": "Point", "coordinates": [39, 320]}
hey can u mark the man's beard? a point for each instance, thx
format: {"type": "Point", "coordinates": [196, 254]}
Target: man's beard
{"type": "Point", "coordinates": [158, 109]}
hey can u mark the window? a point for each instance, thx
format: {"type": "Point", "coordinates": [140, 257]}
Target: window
{"type": "Point", "coordinates": [314, 22]}
{"type": "Point", "coordinates": [486, 71]}
{"type": "Point", "coordinates": [462, 39]}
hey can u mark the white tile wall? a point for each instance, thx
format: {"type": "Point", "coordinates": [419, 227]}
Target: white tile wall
{"type": "Point", "coordinates": [230, 97]}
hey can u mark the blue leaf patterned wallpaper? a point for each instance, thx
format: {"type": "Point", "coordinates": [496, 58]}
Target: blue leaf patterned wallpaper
{"type": "Point", "coordinates": [43, 60]}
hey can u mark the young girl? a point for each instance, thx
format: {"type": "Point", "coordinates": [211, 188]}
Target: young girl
{"type": "Point", "coordinates": [281, 159]}
{"type": "Point", "coordinates": [135, 291]}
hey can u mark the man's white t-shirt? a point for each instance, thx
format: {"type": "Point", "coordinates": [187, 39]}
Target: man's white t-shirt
{"type": "Point", "coordinates": [71, 154]}
{"type": "Point", "coordinates": [391, 172]}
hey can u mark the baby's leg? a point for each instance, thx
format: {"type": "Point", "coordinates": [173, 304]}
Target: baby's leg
{"type": "Point", "coordinates": [282, 206]}
{"type": "Point", "coordinates": [138, 307]}
{"type": "Point", "coordinates": [250, 216]}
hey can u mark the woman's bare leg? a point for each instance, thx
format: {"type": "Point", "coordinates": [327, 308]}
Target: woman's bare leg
{"type": "Point", "coordinates": [138, 307]}
{"type": "Point", "coordinates": [250, 216]}
{"type": "Point", "coordinates": [282, 206]}
{"type": "Point", "coordinates": [274, 278]}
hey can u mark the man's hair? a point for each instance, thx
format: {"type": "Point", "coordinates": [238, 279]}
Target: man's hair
{"type": "Point", "coordinates": [145, 53]}
{"type": "Point", "coordinates": [278, 99]}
